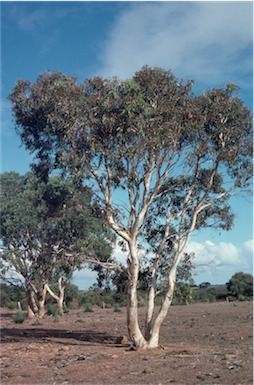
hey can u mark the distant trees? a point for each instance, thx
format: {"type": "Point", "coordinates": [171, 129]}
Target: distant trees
{"type": "Point", "coordinates": [161, 162]}
{"type": "Point", "coordinates": [241, 285]}
{"type": "Point", "coordinates": [44, 228]}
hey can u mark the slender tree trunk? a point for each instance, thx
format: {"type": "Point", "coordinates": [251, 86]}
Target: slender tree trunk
{"type": "Point", "coordinates": [155, 330]}
{"type": "Point", "coordinates": [60, 300]}
{"type": "Point", "coordinates": [151, 298]}
{"type": "Point", "coordinates": [41, 300]}
{"type": "Point", "coordinates": [30, 313]}
{"type": "Point", "coordinates": [32, 308]}
{"type": "Point", "coordinates": [135, 334]}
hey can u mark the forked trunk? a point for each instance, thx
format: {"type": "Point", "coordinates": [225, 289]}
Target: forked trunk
{"type": "Point", "coordinates": [152, 330]}
{"type": "Point", "coordinates": [59, 298]}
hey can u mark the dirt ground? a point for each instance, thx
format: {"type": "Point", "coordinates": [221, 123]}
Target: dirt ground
{"type": "Point", "coordinates": [200, 344]}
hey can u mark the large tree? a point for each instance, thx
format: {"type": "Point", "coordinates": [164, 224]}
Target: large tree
{"type": "Point", "coordinates": [161, 161]}
{"type": "Point", "coordinates": [44, 227]}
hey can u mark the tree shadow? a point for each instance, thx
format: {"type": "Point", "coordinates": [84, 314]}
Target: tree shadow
{"type": "Point", "coordinates": [59, 336]}
{"type": "Point", "coordinates": [6, 316]}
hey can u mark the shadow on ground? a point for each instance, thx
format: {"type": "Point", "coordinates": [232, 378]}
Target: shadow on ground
{"type": "Point", "coordinates": [53, 335]}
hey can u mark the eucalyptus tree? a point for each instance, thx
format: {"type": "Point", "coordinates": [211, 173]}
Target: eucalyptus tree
{"type": "Point", "coordinates": [44, 226]}
{"type": "Point", "coordinates": [174, 157]}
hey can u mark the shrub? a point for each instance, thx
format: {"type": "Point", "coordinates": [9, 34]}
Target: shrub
{"type": "Point", "coordinates": [92, 296]}
{"type": "Point", "coordinates": [242, 297]}
{"type": "Point", "coordinates": [37, 322]}
{"type": "Point", "coordinates": [56, 317]}
{"type": "Point", "coordinates": [117, 308]}
{"type": "Point", "coordinates": [71, 293]}
{"type": "Point", "coordinates": [19, 317]}
{"type": "Point", "coordinates": [88, 308]}
{"type": "Point", "coordinates": [241, 284]}
{"type": "Point", "coordinates": [11, 305]}
{"type": "Point", "coordinates": [212, 295]}
{"type": "Point", "coordinates": [53, 309]}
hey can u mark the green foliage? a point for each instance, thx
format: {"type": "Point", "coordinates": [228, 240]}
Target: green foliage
{"type": "Point", "coordinates": [175, 157]}
{"type": "Point", "coordinates": [183, 293]}
{"type": "Point", "coordinates": [37, 322]}
{"type": "Point", "coordinates": [117, 308]}
{"type": "Point", "coordinates": [202, 294]}
{"type": "Point", "coordinates": [53, 309]}
{"type": "Point", "coordinates": [91, 296]}
{"type": "Point", "coordinates": [12, 305]}
{"type": "Point", "coordinates": [56, 317]}
{"type": "Point", "coordinates": [120, 298]}
{"type": "Point", "coordinates": [241, 285]}
{"type": "Point", "coordinates": [204, 284]}
{"type": "Point", "coordinates": [89, 307]}
{"type": "Point", "coordinates": [52, 223]}
{"type": "Point", "coordinates": [19, 317]}
{"type": "Point", "coordinates": [10, 295]}
{"type": "Point", "coordinates": [71, 292]}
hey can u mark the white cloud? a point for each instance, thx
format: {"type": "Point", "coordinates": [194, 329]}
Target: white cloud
{"type": "Point", "coordinates": [120, 255]}
{"type": "Point", "coordinates": [218, 262]}
{"type": "Point", "coordinates": [215, 262]}
{"type": "Point", "coordinates": [200, 40]}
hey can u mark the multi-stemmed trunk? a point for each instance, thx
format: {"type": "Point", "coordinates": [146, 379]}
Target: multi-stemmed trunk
{"type": "Point", "coordinates": [60, 297]}
{"type": "Point", "coordinates": [152, 329]}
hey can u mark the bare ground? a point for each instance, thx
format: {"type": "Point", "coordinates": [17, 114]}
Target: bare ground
{"type": "Point", "coordinates": [200, 344]}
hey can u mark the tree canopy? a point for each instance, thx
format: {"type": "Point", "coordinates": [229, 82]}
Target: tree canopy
{"type": "Point", "coordinates": [45, 226]}
{"type": "Point", "coordinates": [176, 158]}
{"type": "Point", "coordinates": [241, 284]}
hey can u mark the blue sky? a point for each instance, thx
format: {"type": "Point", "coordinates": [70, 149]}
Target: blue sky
{"type": "Point", "coordinates": [210, 42]}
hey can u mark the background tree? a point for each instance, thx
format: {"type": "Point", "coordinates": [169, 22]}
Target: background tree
{"type": "Point", "coordinates": [169, 153]}
{"type": "Point", "coordinates": [44, 227]}
{"type": "Point", "coordinates": [241, 285]}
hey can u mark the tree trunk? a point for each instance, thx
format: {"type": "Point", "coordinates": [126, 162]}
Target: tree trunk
{"type": "Point", "coordinates": [30, 313]}
{"type": "Point", "coordinates": [155, 331]}
{"type": "Point", "coordinates": [151, 298]}
{"type": "Point", "coordinates": [41, 300]}
{"type": "Point", "coordinates": [60, 300]}
{"type": "Point", "coordinates": [132, 306]}
{"type": "Point", "coordinates": [32, 308]}
{"type": "Point", "coordinates": [149, 314]}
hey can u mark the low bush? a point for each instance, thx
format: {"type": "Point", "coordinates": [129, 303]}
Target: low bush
{"type": "Point", "coordinates": [56, 317]}
{"type": "Point", "coordinates": [53, 309]}
{"type": "Point", "coordinates": [12, 305]}
{"type": "Point", "coordinates": [117, 308]}
{"type": "Point", "coordinates": [19, 317]}
{"type": "Point", "coordinates": [37, 322]}
{"type": "Point", "coordinates": [89, 307]}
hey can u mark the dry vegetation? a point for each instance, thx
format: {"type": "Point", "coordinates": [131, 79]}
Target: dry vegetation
{"type": "Point", "coordinates": [200, 344]}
